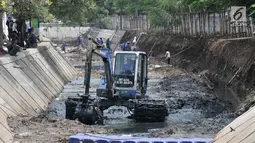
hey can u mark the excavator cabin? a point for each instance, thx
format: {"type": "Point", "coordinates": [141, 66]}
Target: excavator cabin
{"type": "Point", "coordinates": [130, 75]}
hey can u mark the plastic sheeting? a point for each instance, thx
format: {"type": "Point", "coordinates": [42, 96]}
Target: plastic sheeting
{"type": "Point", "coordinates": [101, 138]}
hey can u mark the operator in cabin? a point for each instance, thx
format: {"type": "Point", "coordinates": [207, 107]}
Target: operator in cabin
{"type": "Point", "coordinates": [127, 68]}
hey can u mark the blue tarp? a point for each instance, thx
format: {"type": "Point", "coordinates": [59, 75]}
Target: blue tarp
{"type": "Point", "coordinates": [93, 138]}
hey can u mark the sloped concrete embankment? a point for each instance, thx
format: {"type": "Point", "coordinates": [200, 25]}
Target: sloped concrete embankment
{"type": "Point", "coordinates": [241, 130]}
{"type": "Point", "coordinates": [29, 82]}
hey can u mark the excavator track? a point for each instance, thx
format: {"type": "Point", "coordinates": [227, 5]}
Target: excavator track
{"type": "Point", "coordinates": [147, 110]}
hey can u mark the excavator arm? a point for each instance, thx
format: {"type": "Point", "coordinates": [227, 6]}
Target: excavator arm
{"type": "Point", "coordinates": [107, 71]}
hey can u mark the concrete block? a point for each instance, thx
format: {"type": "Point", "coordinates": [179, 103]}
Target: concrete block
{"type": "Point", "coordinates": [60, 63]}
{"type": "Point", "coordinates": [50, 54]}
{"type": "Point", "coordinates": [26, 87]}
{"type": "Point", "coordinates": [17, 103]}
{"type": "Point", "coordinates": [5, 132]}
{"type": "Point", "coordinates": [14, 93]}
{"type": "Point", "coordinates": [47, 72]}
{"type": "Point", "coordinates": [63, 62]}
{"type": "Point", "coordinates": [6, 108]}
{"type": "Point", "coordinates": [67, 64]}
{"type": "Point", "coordinates": [47, 94]}
{"type": "Point", "coordinates": [45, 63]}
{"type": "Point", "coordinates": [42, 74]}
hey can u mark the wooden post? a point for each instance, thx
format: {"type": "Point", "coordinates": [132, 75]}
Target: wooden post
{"type": "Point", "coordinates": [214, 24]}
{"type": "Point", "coordinates": [242, 31]}
{"type": "Point", "coordinates": [170, 26]}
{"type": "Point", "coordinates": [181, 27]}
{"type": "Point", "coordinates": [226, 23]}
{"type": "Point", "coordinates": [248, 28]}
{"type": "Point", "coordinates": [177, 20]}
{"type": "Point", "coordinates": [187, 24]}
{"type": "Point", "coordinates": [251, 25]}
{"type": "Point", "coordinates": [208, 23]}
{"type": "Point", "coordinates": [220, 19]}
{"type": "Point", "coordinates": [200, 23]}
{"type": "Point", "coordinates": [147, 23]}
{"type": "Point", "coordinates": [183, 24]}
{"type": "Point", "coordinates": [204, 24]}
{"type": "Point", "coordinates": [190, 27]}
{"type": "Point", "coordinates": [239, 31]}
{"type": "Point", "coordinates": [196, 23]}
{"type": "Point", "coordinates": [223, 22]}
{"type": "Point", "coordinates": [191, 24]}
{"type": "Point", "coordinates": [229, 22]}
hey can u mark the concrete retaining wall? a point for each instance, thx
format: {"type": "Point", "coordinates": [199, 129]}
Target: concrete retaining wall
{"type": "Point", "coordinates": [29, 82]}
{"type": "Point", "coordinates": [241, 130]}
{"type": "Point", "coordinates": [62, 33]}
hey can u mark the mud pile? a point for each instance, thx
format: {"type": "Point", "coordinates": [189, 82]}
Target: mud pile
{"type": "Point", "coordinates": [194, 109]}
{"type": "Point", "coordinates": [228, 64]}
{"type": "Point", "coordinates": [42, 129]}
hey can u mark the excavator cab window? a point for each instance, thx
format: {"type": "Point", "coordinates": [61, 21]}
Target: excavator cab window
{"type": "Point", "coordinates": [124, 72]}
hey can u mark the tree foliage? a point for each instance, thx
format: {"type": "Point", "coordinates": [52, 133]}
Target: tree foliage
{"type": "Point", "coordinates": [76, 11]}
{"type": "Point", "coordinates": [159, 11]}
{"type": "Point", "coordinates": [27, 9]}
{"type": "Point", "coordinates": [130, 6]}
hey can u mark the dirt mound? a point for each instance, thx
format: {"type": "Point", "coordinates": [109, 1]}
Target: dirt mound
{"type": "Point", "coordinates": [194, 109]}
{"type": "Point", "coordinates": [229, 63]}
{"type": "Point", "coordinates": [190, 92]}
{"type": "Point", "coordinates": [42, 129]}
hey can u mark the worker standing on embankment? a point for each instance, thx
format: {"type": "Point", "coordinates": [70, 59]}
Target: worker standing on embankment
{"type": "Point", "coordinates": [168, 57]}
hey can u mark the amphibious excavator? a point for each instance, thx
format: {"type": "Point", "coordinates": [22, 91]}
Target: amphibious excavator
{"type": "Point", "coordinates": [124, 83]}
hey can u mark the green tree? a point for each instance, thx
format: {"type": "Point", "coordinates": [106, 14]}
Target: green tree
{"type": "Point", "coordinates": [134, 7]}
{"type": "Point", "coordinates": [77, 11]}
{"type": "Point", "coordinates": [26, 10]}
{"type": "Point", "coordinates": [160, 11]}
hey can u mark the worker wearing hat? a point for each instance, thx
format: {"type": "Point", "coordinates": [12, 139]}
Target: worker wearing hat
{"type": "Point", "coordinates": [126, 47]}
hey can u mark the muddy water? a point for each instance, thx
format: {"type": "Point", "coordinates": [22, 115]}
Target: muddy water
{"type": "Point", "coordinates": [194, 110]}
{"type": "Point", "coordinates": [116, 117]}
